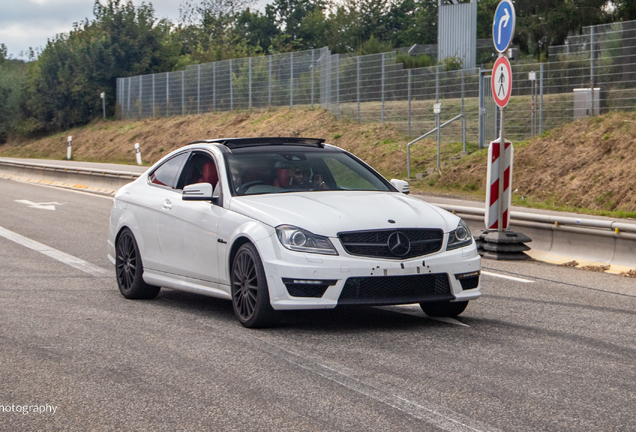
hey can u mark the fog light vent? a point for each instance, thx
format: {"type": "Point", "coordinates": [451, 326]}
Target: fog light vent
{"type": "Point", "coordinates": [468, 280]}
{"type": "Point", "coordinates": [307, 287]}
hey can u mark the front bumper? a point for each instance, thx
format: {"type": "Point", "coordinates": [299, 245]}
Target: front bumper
{"type": "Point", "coordinates": [281, 264]}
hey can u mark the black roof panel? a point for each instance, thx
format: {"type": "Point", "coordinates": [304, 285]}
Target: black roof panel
{"type": "Point", "coordinates": [265, 141]}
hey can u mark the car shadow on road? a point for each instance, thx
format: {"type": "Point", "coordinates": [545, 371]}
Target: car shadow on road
{"type": "Point", "coordinates": [343, 318]}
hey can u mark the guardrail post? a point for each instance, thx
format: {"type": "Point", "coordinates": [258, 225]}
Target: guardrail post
{"type": "Point", "coordinates": [541, 100]}
{"type": "Point", "coordinates": [68, 148]}
{"type": "Point", "coordinates": [231, 89]}
{"type": "Point", "coordinates": [383, 76]}
{"type": "Point", "coordinates": [198, 89]}
{"type": "Point", "coordinates": [409, 104]}
{"type": "Point", "coordinates": [358, 87]}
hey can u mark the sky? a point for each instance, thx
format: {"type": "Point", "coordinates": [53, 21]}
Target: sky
{"type": "Point", "coordinates": [29, 23]}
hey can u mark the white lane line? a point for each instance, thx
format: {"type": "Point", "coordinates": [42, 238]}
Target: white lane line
{"type": "Point", "coordinates": [63, 257]}
{"type": "Point", "coordinates": [417, 311]}
{"type": "Point", "coordinates": [438, 416]}
{"type": "Point", "coordinates": [506, 277]}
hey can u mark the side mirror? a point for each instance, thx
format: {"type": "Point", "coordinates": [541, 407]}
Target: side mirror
{"type": "Point", "coordinates": [401, 185]}
{"type": "Point", "coordinates": [197, 192]}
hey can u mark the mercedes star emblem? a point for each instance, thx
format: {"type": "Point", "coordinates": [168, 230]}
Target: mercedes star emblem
{"type": "Point", "coordinates": [399, 244]}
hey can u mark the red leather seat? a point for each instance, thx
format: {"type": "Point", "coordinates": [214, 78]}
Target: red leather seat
{"type": "Point", "coordinates": [209, 174]}
{"type": "Point", "coordinates": [283, 178]}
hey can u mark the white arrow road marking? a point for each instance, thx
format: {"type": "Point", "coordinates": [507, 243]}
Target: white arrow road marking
{"type": "Point", "coordinates": [41, 206]}
{"type": "Point", "coordinates": [63, 257]}
{"type": "Point", "coordinates": [503, 21]}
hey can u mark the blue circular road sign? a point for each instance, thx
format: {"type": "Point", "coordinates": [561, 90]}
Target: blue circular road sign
{"type": "Point", "coordinates": [503, 26]}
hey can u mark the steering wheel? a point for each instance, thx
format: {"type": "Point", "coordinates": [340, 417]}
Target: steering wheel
{"type": "Point", "coordinates": [245, 186]}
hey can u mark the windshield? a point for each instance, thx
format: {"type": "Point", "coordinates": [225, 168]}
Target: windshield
{"type": "Point", "coordinates": [299, 171]}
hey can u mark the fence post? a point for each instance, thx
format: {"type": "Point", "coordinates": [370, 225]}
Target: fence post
{"type": "Point", "coordinates": [167, 93]}
{"type": "Point", "coordinates": [269, 99]}
{"type": "Point", "coordinates": [183, 92]}
{"type": "Point", "coordinates": [383, 70]}
{"type": "Point", "coordinates": [129, 82]}
{"type": "Point", "coordinates": [199, 89]}
{"type": "Point", "coordinates": [153, 95]}
{"type": "Point", "coordinates": [250, 82]}
{"type": "Point", "coordinates": [409, 101]}
{"type": "Point", "coordinates": [439, 150]}
{"type": "Point", "coordinates": [213, 86]}
{"type": "Point", "coordinates": [291, 80]}
{"type": "Point", "coordinates": [358, 86]}
{"type": "Point", "coordinates": [338, 87]}
{"type": "Point", "coordinates": [541, 100]}
{"type": "Point", "coordinates": [231, 89]}
{"type": "Point", "coordinates": [313, 67]}
{"type": "Point", "coordinates": [482, 107]}
{"type": "Point", "coordinates": [592, 70]}
{"type": "Point", "coordinates": [463, 115]}
{"type": "Point", "coordinates": [140, 104]}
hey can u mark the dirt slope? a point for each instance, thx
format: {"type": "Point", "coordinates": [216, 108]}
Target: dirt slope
{"type": "Point", "coordinates": [589, 164]}
{"type": "Point", "coordinates": [113, 141]}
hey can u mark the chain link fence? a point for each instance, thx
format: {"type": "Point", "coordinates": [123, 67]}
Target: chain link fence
{"type": "Point", "coordinates": [591, 74]}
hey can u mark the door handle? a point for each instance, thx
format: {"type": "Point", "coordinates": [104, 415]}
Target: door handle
{"type": "Point", "coordinates": [167, 204]}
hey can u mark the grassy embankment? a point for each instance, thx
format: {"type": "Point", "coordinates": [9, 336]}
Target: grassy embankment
{"type": "Point", "coordinates": [587, 166]}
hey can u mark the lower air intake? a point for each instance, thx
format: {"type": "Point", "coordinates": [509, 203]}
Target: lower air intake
{"type": "Point", "coordinates": [385, 290]}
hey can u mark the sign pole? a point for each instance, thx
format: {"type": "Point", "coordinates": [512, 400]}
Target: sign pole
{"type": "Point", "coordinates": [502, 167]}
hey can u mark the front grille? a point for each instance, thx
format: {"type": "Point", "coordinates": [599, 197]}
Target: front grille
{"type": "Point", "coordinates": [380, 290]}
{"type": "Point", "coordinates": [375, 244]}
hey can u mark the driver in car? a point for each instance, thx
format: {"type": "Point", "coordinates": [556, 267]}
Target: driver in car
{"type": "Point", "coordinates": [301, 179]}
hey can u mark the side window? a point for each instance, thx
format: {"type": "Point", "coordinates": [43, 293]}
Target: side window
{"type": "Point", "coordinates": [166, 174]}
{"type": "Point", "coordinates": [200, 168]}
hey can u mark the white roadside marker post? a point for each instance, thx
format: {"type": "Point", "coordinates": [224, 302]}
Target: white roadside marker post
{"type": "Point", "coordinates": [68, 148]}
{"type": "Point", "coordinates": [137, 153]}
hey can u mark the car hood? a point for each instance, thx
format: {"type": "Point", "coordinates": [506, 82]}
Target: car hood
{"type": "Point", "coordinates": [328, 213]}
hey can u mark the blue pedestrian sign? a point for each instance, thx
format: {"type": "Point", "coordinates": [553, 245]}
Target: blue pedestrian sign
{"type": "Point", "coordinates": [503, 26]}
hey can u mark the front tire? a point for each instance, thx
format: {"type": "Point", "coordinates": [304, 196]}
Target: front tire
{"type": "Point", "coordinates": [129, 269]}
{"type": "Point", "coordinates": [250, 295]}
{"type": "Point", "coordinates": [443, 309]}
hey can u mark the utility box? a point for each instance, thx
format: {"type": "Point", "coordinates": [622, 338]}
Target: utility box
{"type": "Point", "coordinates": [583, 102]}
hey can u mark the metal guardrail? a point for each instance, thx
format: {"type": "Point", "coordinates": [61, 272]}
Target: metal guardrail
{"type": "Point", "coordinates": [605, 228]}
{"type": "Point", "coordinates": [68, 169]}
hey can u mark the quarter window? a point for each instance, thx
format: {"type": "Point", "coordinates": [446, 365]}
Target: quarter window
{"type": "Point", "coordinates": [166, 174]}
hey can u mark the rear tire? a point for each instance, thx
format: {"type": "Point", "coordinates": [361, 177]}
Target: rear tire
{"type": "Point", "coordinates": [250, 294]}
{"type": "Point", "coordinates": [443, 309]}
{"type": "Point", "coordinates": [129, 269]}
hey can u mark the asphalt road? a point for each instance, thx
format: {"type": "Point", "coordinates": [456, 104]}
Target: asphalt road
{"type": "Point", "coordinates": [547, 348]}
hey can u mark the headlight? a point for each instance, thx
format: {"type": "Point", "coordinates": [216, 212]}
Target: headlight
{"type": "Point", "coordinates": [460, 237]}
{"type": "Point", "coordinates": [300, 240]}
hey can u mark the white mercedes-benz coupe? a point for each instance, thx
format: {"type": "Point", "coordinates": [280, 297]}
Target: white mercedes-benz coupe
{"type": "Point", "coordinates": [287, 223]}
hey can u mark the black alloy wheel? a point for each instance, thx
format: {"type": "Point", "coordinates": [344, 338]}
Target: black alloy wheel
{"type": "Point", "coordinates": [250, 295]}
{"type": "Point", "coordinates": [129, 269]}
